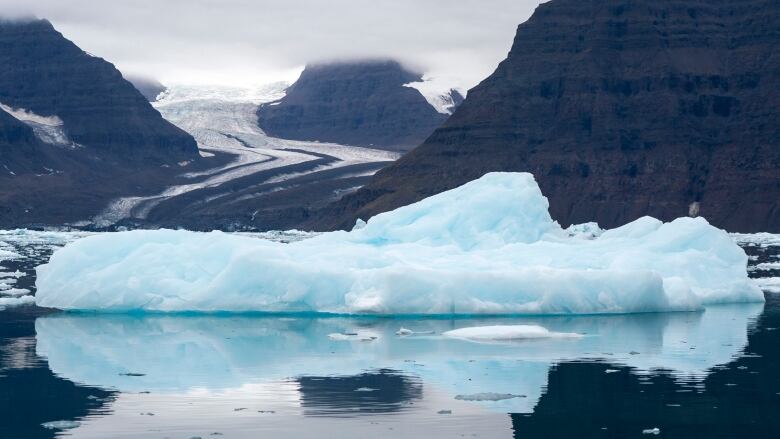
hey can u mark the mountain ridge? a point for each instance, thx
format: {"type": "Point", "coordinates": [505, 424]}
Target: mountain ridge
{"type": "Point", "coordinates": [620, 109]}
{"type": "Point", "coordinates": [360, 103]}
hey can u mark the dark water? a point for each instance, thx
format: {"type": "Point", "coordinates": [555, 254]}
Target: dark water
{"type": "Point", "coordinates": [709, 374]}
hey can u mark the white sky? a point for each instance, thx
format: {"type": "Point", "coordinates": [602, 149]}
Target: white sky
{"type": "Point", "coordinates": [249, 42]}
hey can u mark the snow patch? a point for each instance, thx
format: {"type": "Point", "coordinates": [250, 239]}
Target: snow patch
{"type": "Point", "coordinates": [439, 93]}
{"type": "Point", "coordinates": [48, 129]}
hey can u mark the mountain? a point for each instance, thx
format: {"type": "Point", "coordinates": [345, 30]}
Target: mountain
{"type": "Point", "coordinates": [149, 88]}
{"type": "Point", "coordinates": [48, 75]}
{"type": "Point", "coordinates": [620, 108]}
{"type": "Point", "coordinates": [361, 103]}
{"type": "Point", "coordinates": [74, 134]}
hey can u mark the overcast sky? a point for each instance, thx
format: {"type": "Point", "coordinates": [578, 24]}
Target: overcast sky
{"type": "Point", "coordinates": [245, 42]}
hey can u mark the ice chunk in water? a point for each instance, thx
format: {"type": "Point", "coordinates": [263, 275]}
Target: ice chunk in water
{"type": "Point", "coordinates": [14, 292]}
{"type": "Point", "coordinates": [61, 425]}
{"type": "Point", "coordinates": [507, 333]}
{"type": "Point", "coordinates": [16, 301]}
{"type": "Point", "coordinates": [487, 247]}
{"type": "Point", "coordinates": [488, 396]}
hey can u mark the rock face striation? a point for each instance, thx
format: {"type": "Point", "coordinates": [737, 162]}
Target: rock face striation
{"type": "Point", "coordinates": [74, 134]}
{"type": "Point", "coordinates": [354, 103]}
{"type": "Point", "coordinates": [620, 108]}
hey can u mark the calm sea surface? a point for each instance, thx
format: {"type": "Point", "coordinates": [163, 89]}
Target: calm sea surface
{"type": "Point", "coordinates": [707, 374]}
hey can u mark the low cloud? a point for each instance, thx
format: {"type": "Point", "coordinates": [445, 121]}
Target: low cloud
{"type": "Point", "coordinates": [256, 41]}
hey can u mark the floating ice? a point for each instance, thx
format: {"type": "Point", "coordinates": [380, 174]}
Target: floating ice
{"type": "Point", "coordinates": [765, 266]}
{"type": "Point", "coordinates": [353, 336]}
{"type": "Point", "coordinates": [487, 247]}
{"type": "Point", "coordinates": [757, 239]}
{"type": "Point", "coordinates": [16, 301]}
{"type": "Point", "coordinates": [61, 425]}
{"type": "Point", "coordinates": [14, 292]}
{"type": "Point", "coordinates": [769, 284]}
{"type": "Point", "coordinates": [404, 332]}
{"type": "Point", "coordinates": [488, 396]}
{"type": "Point", "coordinates": [7, 254]}
{"type": "Point", "coordinates": [507, 333]}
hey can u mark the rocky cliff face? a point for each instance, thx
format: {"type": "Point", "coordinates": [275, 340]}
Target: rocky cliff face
{"type": "Point", "coordinates": [149, 88]}
{"type": "Point", "coordinates": [73, 133]}
{"type": "Point", "coordinates": [19, 148]}
{"type": "Point", "coordinates": [50, 76]}
{"type": "Point", "coordinates": [354, 103]}
{"type": "Point", "coordinates": [620, 108]}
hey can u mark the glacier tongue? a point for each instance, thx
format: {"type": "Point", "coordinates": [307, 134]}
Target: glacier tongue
{"type": "Point", "coordinates": [487, 247]}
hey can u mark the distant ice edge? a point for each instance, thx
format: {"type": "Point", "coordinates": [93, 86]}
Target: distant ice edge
{"type": "Point", "coordinates": [487, 247]}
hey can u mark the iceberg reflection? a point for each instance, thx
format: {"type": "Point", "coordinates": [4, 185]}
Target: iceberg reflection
{"type": "Point", "coordinates": [213, 355]}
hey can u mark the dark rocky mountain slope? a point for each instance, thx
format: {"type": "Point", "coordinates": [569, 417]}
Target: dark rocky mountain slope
{"type": "Point", "coordinates": [620, 108]}
{"type": "Point", "coordinates": [362, 103]}
{"type": "Point", "coordinates": [149, 88]}
{"type": "Point", "coordinates": [50, 76]}
{"type": "Point", "coordinates": [74, 134]}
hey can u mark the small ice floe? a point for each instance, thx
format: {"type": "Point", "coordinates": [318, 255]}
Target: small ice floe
{"type": "Point", "coordinates": [60, 425]}
{"type": "Point", "coordinates": [365, 389]}
{"type": "Point", "coordinates": [352, 336]}
{"type": "Point", "coordinates": [16, 292]}
{"type": "Point", "coordinates": [655, 431]}
{"type": "Point", "coordinates": [507, 333]}
{"type": "Point", "coordinates": [768, 284]}
{"type": "Point", "coordinates": [404, 332]}
{"type": "Point", "coordinates": [488, 396]}
{"type": "Point", "coordinates": [444, 412]}
{"type": "Point", "coordinates": [16, 301]}
{"type": "Point", "coordinates": [765, 266]}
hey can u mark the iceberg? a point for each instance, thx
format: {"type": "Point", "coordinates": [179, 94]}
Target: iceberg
{"type": "Point", "coordinates": [488, 247]}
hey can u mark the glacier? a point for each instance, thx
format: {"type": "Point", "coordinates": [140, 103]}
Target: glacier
{"type": "Point", "coordinates": [487, 247]}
